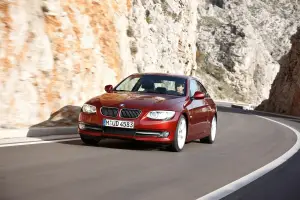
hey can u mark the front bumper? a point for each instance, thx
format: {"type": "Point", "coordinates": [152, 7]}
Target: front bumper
{"type": "Point", "coordinates": [145, 129]}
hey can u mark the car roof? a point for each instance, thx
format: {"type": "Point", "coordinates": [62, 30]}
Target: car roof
{"type": "Point", "coordinates": [165, 74]}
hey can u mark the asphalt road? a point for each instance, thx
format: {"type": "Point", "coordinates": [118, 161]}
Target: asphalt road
{"type": "Point", "coordinates": [124, 170]}
{"type": "Point", "coordinates": [280, 184]}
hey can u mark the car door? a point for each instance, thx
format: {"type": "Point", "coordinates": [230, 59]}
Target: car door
{"type": "Point", "coordinates": [198, 112]}
{"type": "Point", "coordinates": [208, 109]}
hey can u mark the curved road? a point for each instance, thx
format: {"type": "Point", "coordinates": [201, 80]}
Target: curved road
{"type": "Point", "coordinates": [125, 170]}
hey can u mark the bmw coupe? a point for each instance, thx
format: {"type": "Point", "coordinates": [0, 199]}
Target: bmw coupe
{"type": "Point", "coordinates": [151, 107]}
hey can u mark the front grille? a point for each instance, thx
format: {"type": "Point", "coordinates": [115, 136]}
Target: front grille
{"type": "Point", "coordinates": [109, 112]}
{"type": "Point", "coordinates": [130, 113]}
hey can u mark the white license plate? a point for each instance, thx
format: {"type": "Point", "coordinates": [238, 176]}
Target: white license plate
{"type": "Point", "coordinates": [118, 123]}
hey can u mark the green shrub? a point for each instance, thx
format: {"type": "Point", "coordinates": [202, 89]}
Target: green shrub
{"type": "Point", "coordinates": [130, 32]}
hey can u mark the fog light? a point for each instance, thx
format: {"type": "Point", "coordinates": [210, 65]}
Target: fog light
{"type": "Point", "coordinates": [81, 126]}
{"type": "Point", "coordinates": [165, 134]}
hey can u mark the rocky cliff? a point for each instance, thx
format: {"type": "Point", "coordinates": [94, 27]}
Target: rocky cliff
{"type": "Point", "coordinates": [54, 55]}
{"type": "Point", "coordinates": [285, 92]}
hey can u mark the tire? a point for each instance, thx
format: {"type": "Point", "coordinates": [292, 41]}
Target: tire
{"type": "Point", "coordinates": [213, 132]}
{"type": "Point", "coordinates": [180, 135]}
{"type": "Point", "coordinates": [90, 141]}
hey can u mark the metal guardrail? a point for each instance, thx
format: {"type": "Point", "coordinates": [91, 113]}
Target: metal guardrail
{"type": "Point", "coordinates": [251, 107]}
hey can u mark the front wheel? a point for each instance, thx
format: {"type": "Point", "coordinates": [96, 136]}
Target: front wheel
{"type": "Point", "coordinates": [213, 132]}
{"type": "Point", "coordinates": [180, 135]}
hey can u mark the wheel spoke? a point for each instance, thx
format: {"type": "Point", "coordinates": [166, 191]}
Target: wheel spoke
{"type": "Point", "coordinates": [213, 129]}
{"type": "Point", "coordinates": [181, 134]}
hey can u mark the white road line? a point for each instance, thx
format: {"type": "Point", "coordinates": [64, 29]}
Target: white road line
{"type": "Point", "coordinates": [38, 142]}
{"type": "Point", "coordinates": [236, 185]}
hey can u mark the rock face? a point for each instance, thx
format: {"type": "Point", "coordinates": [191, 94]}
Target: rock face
{"type": "Point", "coordinates": [55, 55]}
{"type": "Point", "coordinates": [285, 93]}
{"type": "Point", "coordinates": [239, 43]}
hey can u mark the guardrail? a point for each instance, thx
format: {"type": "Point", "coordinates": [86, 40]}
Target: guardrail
{"type": "Point", "coordinates": [251, 107]}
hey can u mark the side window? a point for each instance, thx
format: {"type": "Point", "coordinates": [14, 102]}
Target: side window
{"type": "Point", "coordinates": [197, 86]}
{"type": "Point", "coordinates": [202, 89]}
{"type": "Point", "coordinates": [193, 87]}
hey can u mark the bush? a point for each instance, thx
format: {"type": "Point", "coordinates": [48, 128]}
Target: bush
{"type": "Point", "coordinates": [130, 32]}
{"type": "Point", "coordinates": [133, 48]}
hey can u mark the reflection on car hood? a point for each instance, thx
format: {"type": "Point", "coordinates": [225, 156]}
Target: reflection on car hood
{"type": "Point", "coordinates": [136, 100]}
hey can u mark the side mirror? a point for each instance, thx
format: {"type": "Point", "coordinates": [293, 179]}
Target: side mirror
{"type": "Point", "coordinates": [108, 88]}
{"type": "Point", "coordinates": [199, 95]}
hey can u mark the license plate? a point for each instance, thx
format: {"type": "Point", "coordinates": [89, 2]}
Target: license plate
{"type": "Point", "coordinates": [118, 123]}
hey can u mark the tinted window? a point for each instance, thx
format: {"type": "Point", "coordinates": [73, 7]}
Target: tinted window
{"type": "Point", "coordinates": [154, 84]}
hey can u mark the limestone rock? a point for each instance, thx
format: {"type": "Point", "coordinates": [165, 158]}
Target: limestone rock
{"type": "Point", "coordinates": [285, 93]}
{"type": "Point", "coordinates": [239, 43]}
{"type": "Point", "coordinates": [55, 55]}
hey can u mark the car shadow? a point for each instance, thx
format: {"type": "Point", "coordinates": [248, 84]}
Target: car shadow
{"type": "Point", "coordinates": [121, 144]}
{"type": "Point", "coordinates": [64, 122]}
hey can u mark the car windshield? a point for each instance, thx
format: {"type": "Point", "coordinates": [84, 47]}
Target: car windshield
{"type": "Point", "coordinates": [154, 84]}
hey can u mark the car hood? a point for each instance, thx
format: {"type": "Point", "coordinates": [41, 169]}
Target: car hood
{"type": "Point", "coordinates": [138, 100]}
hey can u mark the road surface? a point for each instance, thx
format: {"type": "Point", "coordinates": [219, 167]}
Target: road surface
{"type": "Point", "coordinates": [124, 170]}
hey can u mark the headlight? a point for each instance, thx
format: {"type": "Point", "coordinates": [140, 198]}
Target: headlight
{"type": "Point", "coordinates": [88, 108]}
{"type": "Point", "coordinates": [160, 114]}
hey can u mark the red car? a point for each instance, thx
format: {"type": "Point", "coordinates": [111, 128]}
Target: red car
{"type": "Point", "coordinates": [151, 107]}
